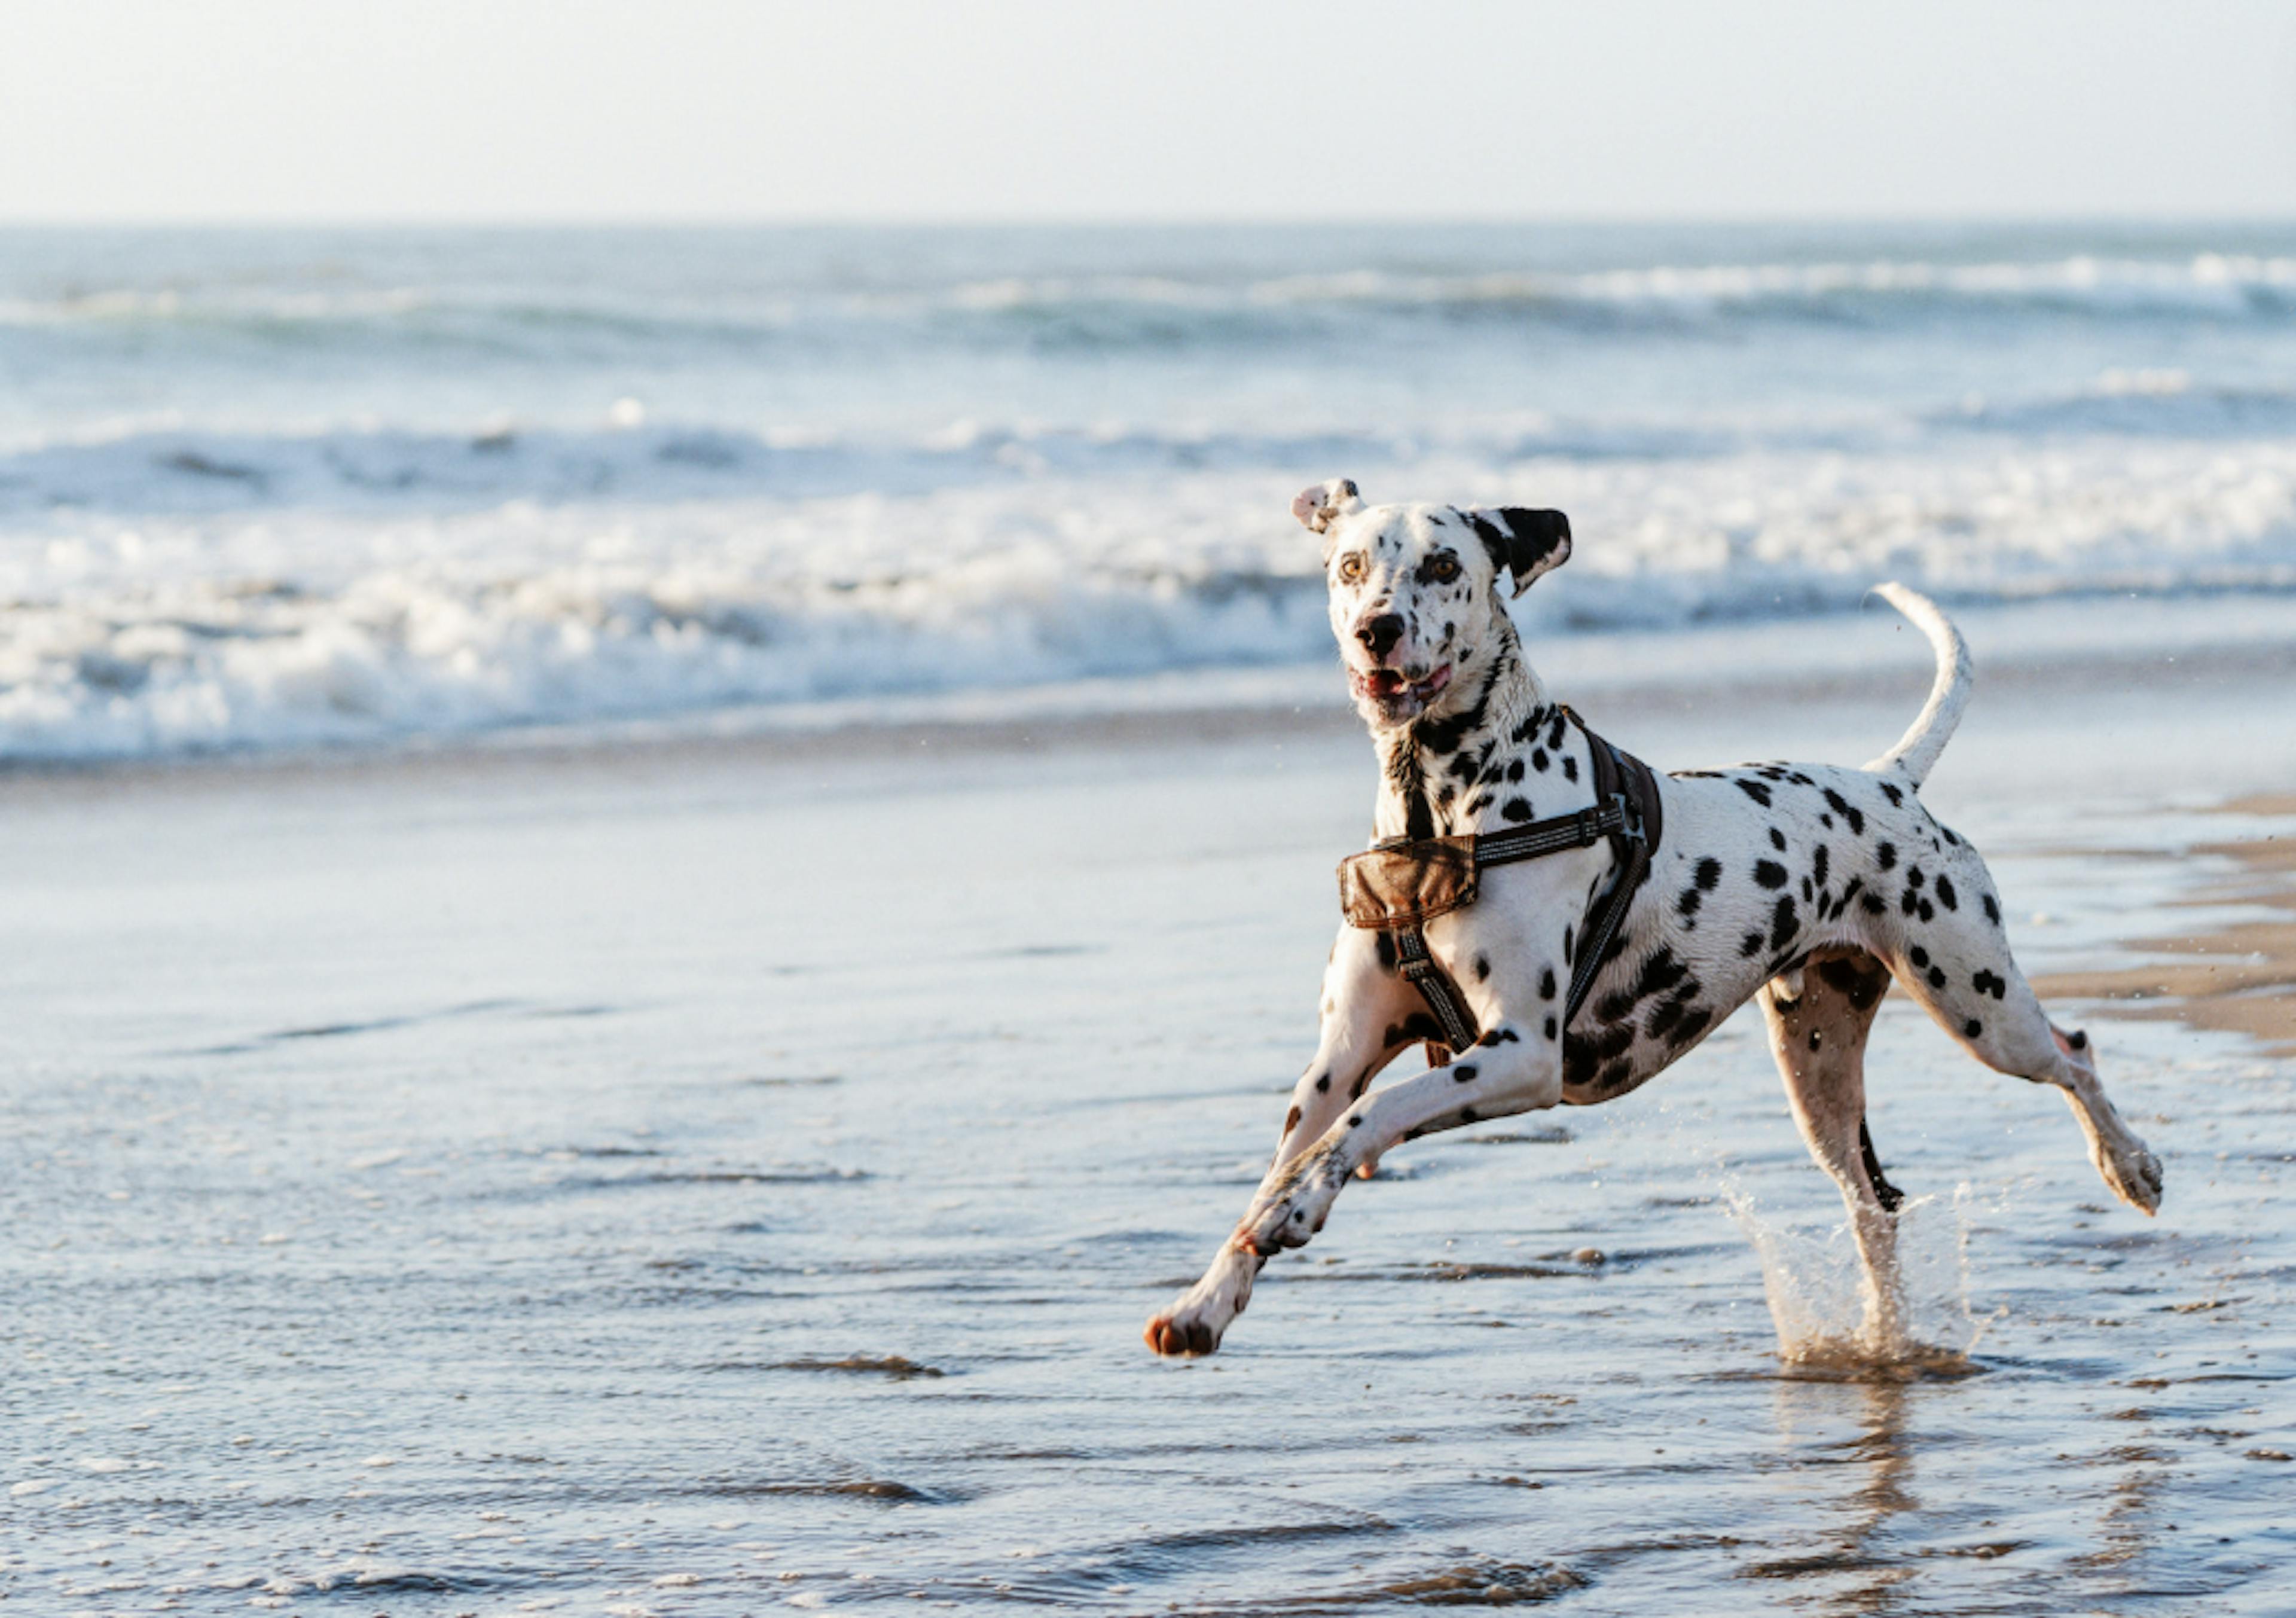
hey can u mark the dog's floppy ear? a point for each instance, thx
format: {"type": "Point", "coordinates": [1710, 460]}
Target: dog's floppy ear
{"type": "Point", "coordinates": [1525, 543]}
{"type": "Point", "coordinates": [1321, 506]}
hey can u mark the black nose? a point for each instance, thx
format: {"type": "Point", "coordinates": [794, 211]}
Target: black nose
{"type": "Point", "coordinates": [1379, 633]}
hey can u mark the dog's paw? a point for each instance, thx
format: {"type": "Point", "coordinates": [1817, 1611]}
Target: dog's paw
{"type": "Point", "coordinates": [1292, 1217]}
{"type": "Point", "coordinates": [1201, 1316]}
{"type": "Point", "coordinates": [1181, 1335]}
{"type": "Point", "coordinates": [2134, 1174]}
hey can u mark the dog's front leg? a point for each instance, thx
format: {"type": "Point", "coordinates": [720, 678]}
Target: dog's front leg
{"type": "Point", "coordinates": [1509, 1074]}
{"type": "Point", "coordinates": [1369, 1014]}
{"type": "Point", "coordinates": [1491, 1081]}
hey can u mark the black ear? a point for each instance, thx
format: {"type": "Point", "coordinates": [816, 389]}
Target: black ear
{"type": "Point", "coordinates": [1525, 543]}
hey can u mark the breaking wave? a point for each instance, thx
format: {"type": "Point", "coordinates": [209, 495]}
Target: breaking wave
{"type": "Point", "coordinates": [257, 621]}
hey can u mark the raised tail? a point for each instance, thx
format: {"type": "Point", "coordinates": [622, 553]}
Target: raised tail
{"type": "Point", "coordinates": [1916, 751]}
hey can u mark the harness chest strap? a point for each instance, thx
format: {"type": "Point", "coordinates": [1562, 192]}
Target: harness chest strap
{"type": "Point", "coordinates": [1399, 885]}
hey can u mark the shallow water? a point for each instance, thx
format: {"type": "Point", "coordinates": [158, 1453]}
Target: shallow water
{"type": "Point", "coordinates": [690, 1182]}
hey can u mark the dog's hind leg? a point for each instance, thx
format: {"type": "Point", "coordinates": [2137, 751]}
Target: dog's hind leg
{"type": "Point", "coordinates": [1818, 1019]}
{"type": "Point", "coordinates": [1957, 964]}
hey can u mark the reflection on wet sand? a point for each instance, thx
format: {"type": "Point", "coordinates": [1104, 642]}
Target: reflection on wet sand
{"type": "Point", "coordinates": [1855, 1564]}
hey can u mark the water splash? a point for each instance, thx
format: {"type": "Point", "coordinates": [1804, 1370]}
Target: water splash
{"type": "Point", "coordinates": [1823, 1310]}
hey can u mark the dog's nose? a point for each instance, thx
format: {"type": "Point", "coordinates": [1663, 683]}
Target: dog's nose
{"type": "Point", "coordinates": [1379, 633]}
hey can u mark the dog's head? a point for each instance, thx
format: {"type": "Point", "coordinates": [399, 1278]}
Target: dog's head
{"type": "Point", "coordinates": [1419, 593]}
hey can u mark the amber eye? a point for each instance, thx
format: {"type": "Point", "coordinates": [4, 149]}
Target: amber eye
{"type": "Point", "coordinates": [1351, 568]}
{"type": "Point", "coordinates": [1441, 570]}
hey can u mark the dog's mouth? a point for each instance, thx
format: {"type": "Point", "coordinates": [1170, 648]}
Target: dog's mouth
{"type": "Point", "coordinates": [1394, 696]}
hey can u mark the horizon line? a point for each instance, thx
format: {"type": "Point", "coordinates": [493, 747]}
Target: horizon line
{"type": "Point", "coordinates": [1202, 221]}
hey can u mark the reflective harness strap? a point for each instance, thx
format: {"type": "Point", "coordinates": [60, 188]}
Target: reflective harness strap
{"type": "Point", "coordinates": [1435, 987]}
{"type": "Point", "coordinates": [1626, 810]}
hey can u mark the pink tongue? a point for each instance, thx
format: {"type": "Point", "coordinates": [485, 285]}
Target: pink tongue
{"type": "Point", "coordinates": [1383, 682]}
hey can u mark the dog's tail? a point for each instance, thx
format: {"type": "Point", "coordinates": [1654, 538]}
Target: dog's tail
{"type": "Point", "coordinates": [1916, 751]}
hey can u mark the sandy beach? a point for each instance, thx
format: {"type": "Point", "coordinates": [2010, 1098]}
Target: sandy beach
{"type": "Point", "coordinates": [695, 1174]}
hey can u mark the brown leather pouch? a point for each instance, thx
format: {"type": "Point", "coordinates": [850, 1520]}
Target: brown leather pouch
{"type": "Point", "coordinates": [1402, 884]}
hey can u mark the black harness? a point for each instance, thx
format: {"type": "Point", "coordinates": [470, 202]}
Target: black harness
{"type": "Point", "coordinates": [1397, 886]}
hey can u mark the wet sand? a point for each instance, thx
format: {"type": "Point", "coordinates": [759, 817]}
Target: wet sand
{"type": "Point", "coordinates": [704, 1176]}
{"type": "Point", "coordinates": [2238, 976]}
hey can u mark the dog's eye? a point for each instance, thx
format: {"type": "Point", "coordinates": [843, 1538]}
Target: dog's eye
{"type": "Point", "coordinates": [1351, 568]}
{"type": "Point", "coordinates": [1441, 569]}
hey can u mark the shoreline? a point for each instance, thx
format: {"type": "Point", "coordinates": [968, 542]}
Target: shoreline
{"type": "Point", "coordinates": [2236, 977]}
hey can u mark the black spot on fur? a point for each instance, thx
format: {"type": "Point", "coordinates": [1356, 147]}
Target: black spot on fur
{"type": "Point", "coordinates": [1539, 759]}
{"type": "Point", "coordinates": [1546, 983]}
{"type": "Point", "coordinates": [1893, 794]}
{"type": "Point", "coordinates": [1915, 878]}
{"type": "Point", "coordinates": [1928, 911]}
{"type": "Point", "coordinates": [1708, 872]}
{"type": "Point", "coordinates": [1468, 1115]}
{"type": "Point", "coordinates": [1501, 1035]}
{"type": "Point", "coordinates": [1874, 904]}
{"type": "Point", "coordinates": [1885, 855]}
{"type": "Point", "coordinates": [1515, 770]}
{"type": "Point", "coordinates": [1972, 1028]}
{"type": "Point", "coordinates": [1482, 968]}
{"type": "Point", "coordinates": [1861, 986]}
{"type": "Point", "coordinates": [1550, 1029]}
{"type": "Point", "coordinates": [1613, 1042]}
{"type": "Point", "coordinates": [1937, 977]}
{"type": "Point", "coordinates": [1569, 946]}
{"type": "Point", "coordinates": [1418, 1025]}
{"type": "Point", "coordinates": [1989, 982]}
{"type": "Point", "coordinates": [2077, 1038]}
{"type": "Point", "coordinates": [1817, 865]}
{"type": "Point", "coordinates": [1783, 921]}
{"type": "Point", "coordinates": [1918, 956]}
{"type": "Point", "coordinates": [1465, 1072]}
{"type": "Point", "coordinates": [1515, 809]}
{"type": "Point", "coordinates": [1688, 905]}
{"type": "Point", "coordinates": [1848, 810]}
{"type": "Point", "coordinates": [1660, 973]}
{"type": "Point", "coordinates": [1615, 1076]}
{"type": "Point", "coordinates": [1693, 1024]}
{"type": "Point", "coordinates": [1569, 768]}
{"type": "Point", "coordinates": [1754, 790]}
{"type": "Point", "coordinates": [1323, 1083]}
{"type": "Point", "coordinates": [1945, 892]}
{"type": "Point", "coordinates": [1751, 945]}
{"type": "Point", "coordinates": [1769, 873]}
{"type": "Point", "coordinates": [1992, 909]}
{"type": "Point", "coordinates": [1777, 839]}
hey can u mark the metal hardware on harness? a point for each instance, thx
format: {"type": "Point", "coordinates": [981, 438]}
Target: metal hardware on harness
{"type": "Point", "coordinates": [1400, 884]}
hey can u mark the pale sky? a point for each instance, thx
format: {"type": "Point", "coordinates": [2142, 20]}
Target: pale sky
{"type": "Point", "coordinates": [712, 109]}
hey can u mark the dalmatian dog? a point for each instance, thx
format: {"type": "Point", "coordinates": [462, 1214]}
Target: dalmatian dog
{"type": "Point", "coordinates": [1808, 887]}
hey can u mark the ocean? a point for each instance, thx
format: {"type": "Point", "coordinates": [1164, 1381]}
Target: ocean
{"type": "Point", "coordinates": [273, 490]}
